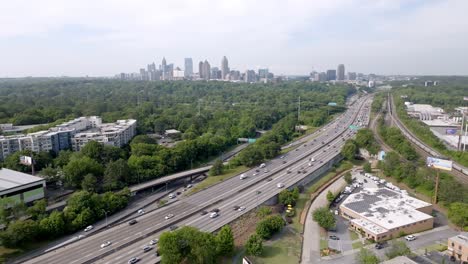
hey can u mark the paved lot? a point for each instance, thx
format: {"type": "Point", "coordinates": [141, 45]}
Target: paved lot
{"type": "Point", "coordinates": [345, 243]}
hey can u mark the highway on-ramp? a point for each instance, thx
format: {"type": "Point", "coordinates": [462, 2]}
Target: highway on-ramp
{"type": "Point", "coordinates": [127, 241]}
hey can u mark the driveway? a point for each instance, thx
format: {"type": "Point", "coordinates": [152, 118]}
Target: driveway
{"type": "Point", "coordinates": [311, 242]}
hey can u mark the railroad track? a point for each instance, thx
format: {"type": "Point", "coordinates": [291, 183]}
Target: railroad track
{"type": "Point", "coordinates": [458, 171]}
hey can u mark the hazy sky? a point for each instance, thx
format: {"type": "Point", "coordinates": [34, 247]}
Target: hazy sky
{"type": "Point", "coordinates": [105, 37]}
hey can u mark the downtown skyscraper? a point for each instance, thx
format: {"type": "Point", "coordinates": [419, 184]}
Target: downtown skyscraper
{"type": "Point", "coordinates": [224, 67]}
{"type": "Point", "coordinates": [340, 73]}
{"type": "Point", "coordinates": [188, 69]}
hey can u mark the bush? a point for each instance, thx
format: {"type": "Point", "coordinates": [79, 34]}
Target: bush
{"type": "Point", "coordinates": [366, 256]}
{"type": "Point", "coordinates": [348, 178]}
{"type": "Point", "coordinates": [397, 248]}
{"type": "Point", "coordinates": [324, 218]}
{"type": "Point", "coordinates": [254, 245]}
{"type": "Point", "coordinates": [269, 226]}
{"type": "Point", "coordinates": [263, 211]}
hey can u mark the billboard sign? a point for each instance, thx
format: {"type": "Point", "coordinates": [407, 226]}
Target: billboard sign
{"type": "Point", "coordinates": [26, 160]}
{"type": "Point", "coordinates": [451, 131]}
{"type": "Point", "coordinates": [440, 164]}
{"type": "Point", "coordinates": [332, 104]}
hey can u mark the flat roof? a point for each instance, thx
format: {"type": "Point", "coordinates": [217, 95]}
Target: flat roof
{"type": "Point", "coordinates": [461, 238]}
{"type": "Point", "coordinates": [386, 208]}
{"type": "Point", "coordinates": [11, 179]}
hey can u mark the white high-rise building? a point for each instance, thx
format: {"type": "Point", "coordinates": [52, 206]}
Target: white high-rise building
{"type": "Point", "coordinates": [188, 70]}
{"type": "Point", "coordinates": [224, 67]}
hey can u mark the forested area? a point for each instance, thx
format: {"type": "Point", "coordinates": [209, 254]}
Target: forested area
{"type": "Point", "coordinates": [210, 115]}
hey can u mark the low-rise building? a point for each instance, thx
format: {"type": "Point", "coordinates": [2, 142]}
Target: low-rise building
{"type": "Point", "coordinates": [382, 214]}
{"type": "Point", "coordinates": [21, 187]}
{"type": "Point", "coordinates": [457, 247]}
{"type": "Point", "coordinates": [400, 260]}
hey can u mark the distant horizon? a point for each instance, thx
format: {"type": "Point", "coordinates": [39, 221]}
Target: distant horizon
{"type": "Point", "coordinates": [385, 37]}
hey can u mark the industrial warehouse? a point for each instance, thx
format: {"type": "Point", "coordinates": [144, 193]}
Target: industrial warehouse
{"type": "Point", "coordinates": [20, 187]}
{"type": "Point", "coordinates": [382, 214]}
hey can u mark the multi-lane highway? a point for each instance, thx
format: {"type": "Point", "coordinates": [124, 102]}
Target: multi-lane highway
{"type": "Point", "coordinates": [127, 241]}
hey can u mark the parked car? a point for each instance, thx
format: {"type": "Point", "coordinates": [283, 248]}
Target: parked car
{"type": "Point", "coordinates": [334, 237]}
{"type": "Point", "coordinates": [410, 238]}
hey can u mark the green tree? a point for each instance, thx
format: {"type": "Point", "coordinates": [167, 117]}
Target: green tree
{"type": "Point", "coordinates": [38, 210]}
{"type": "Point", "coordinates": [397, 248]}
{"type": "Point", "coordinates": [225, 241]}
{"type": "Point", "coordinates": [348, 178]}
{"type": "Point", "coordinates": [458, 214]}
{"type": "Point", "coordinates": [93, 150]}
{"type": "Point", "coordinates": [63, 158]}
{"type": "Point", "coordinates": [349, 150]}
{"type": "Point", "coordinates": [254, 245]}
{"type": "Point", "coordinates": [217, 168]}
{"type": "Point", "coordinates": [53, 225]}
{"type": "Point", "coordinates": [367, 167]}
{"type": "Point", "coordinates": [19, 232]}
{"type": "Point", "coordinates": [269, 226]}
{"type": "Point", "coordinates": [77, 168]}
{"type": "Point", "coordinates": [116, 174]}
{"type": "Point", "coordinates": [324, 218]}
{"type": "Point", "coordinates": [287, 197]}
{"type": "Point", "coordinates": [330, 196]}
{"type": "Point", "coordinates": [365, 256]}
{"type": "Point", "coordinates": [89, 183]}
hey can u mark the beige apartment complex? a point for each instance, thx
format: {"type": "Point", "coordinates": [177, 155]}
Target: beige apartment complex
{"type": "Point", "coordinates": [457, 247]}
{"type": "Point", "coordinates": [382, 214]}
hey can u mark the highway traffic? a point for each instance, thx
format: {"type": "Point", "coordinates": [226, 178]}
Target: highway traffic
{"type": "Point", "coordinates": [261, 184]}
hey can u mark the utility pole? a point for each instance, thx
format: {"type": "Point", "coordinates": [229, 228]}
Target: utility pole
{"type": "Point", "coordinates": [436, 189]}
{"type": "Point", "coordinates": [299, 109]}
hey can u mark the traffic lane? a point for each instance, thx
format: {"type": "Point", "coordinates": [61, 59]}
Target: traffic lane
{"type": "Point", "coordinates": [227, 214]}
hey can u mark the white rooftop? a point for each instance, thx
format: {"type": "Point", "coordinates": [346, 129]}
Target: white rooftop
{"type": "Point", "coordinates": [11, 179]}
{"type": "Point", "coordinates": [462, 238]}
{"type": "Point", "coordinates": [386, 208]}
{"type": "Point", "coordinates": [424, 108]}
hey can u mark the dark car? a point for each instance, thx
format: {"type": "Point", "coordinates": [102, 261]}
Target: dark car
{"type": "Point", "coordinates": [365, 180]}
{"type": "Point", "coordinates": [173, 227]}
{"type": "Point", "coordinates": [216, 210]}
{"type": "Point", "coordinates": [236, 207]}
{"type": "Point", "coordinates": [132, 222]}
{"type": "Point", "coordinates": [284, 162]}
{"type": "Point", "coordinates": [378, 246]}
{"type": "Point", "coordinates": [203, 212]}
{"type": "Point", "coordinates": [269, 179]}
{"type": "Point", "coordinates": [334, 237]}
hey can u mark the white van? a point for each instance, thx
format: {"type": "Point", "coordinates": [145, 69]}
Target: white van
{"type": "Point", "coordinates": [263, 165]}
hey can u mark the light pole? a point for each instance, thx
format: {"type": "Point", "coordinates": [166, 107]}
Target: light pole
{"type": "Point", "coordinates": [105, 213]}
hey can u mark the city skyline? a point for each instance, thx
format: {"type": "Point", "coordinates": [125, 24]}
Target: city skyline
{"type": "Point", "coordinates": [415, 37]}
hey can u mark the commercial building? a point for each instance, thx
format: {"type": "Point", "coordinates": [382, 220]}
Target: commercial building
{"type": "Point", "coordinates": [21, 187]}
{"type": "Point", "coordinates": [340, 72]}
{"type": "Point", "coordinates": [457, 247]}
{"type": "Point", "coordinates": [188, 70]}
{"type": "Point", "coordinates": [331, 75]}
{"type": "Point", "coordinates": [382, 214]}
{"type": "Point", "coordinates": [249, 76]}
{"type": "Point", "coordinates": [73, 134]}
{"type": "Point", "coordinates": [224, 67]}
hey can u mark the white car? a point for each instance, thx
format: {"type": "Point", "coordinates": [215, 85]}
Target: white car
{"type": "Point", "coordinates": [410, 238]}
{"type": "Point", "coordinates": [213, 215]}
{"type": "Point", "coordinates": [169, 216]}
{"type": "Point", "coordinates": [80, 236]}
{"type": "Point", "coordinates": [242, 208]}
{"type": "Point", "coordinates": [141, 211]}
{"type": "Point", "coordinates": [280, 185]}
{"type": "Point", "coordinates": [88, 228]}
{"type": "Point", "coordinates": [243, 176]}
{"type": "Point", "coordinates": [154, 241]}
{"type": "Point", "coordinates": [106, 244]}
{"type": "Point", "coordinates": [133, 260]}
{"type": "Point", "coordinates": [172, 196]}
{"type": "Point", "coordinates": [189, 186]}
{"type": "Point", "coordinates": [263, 165]}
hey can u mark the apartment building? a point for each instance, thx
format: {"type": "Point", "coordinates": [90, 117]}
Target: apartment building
{"type": "Point", "coordinates": [73, 135]}
{"type": "Point", "coordinates": [382, 214]}
{"type": "Point", "coordinates": [457, 247]}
